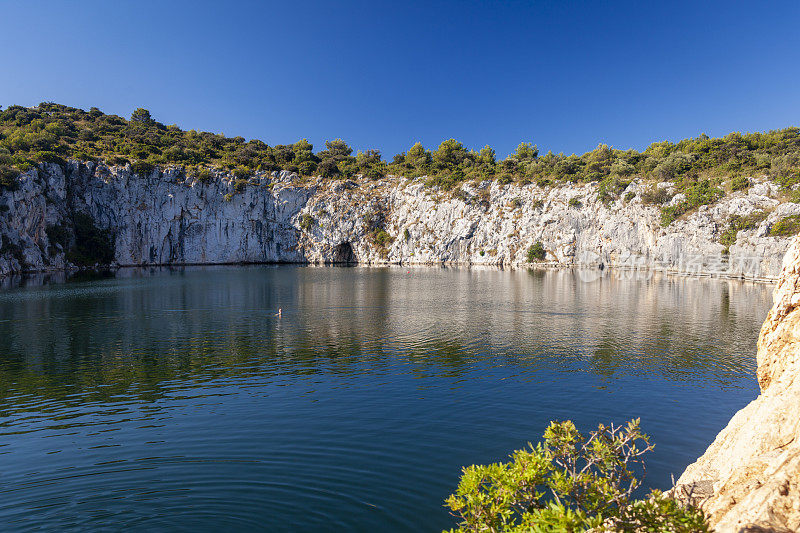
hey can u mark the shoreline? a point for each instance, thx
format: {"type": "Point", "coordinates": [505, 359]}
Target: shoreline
{"type": "Point", "coordinates": [590, 274]}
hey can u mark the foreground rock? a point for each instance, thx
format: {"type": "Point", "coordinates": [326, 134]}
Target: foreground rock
{"type": "Point", "coordinates": [169, 218]}
{"type": "Point", "coordinates": [750, 475]}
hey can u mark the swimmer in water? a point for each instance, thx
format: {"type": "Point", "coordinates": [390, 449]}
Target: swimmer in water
{"type": "Point", "coordinates": [279, 313]}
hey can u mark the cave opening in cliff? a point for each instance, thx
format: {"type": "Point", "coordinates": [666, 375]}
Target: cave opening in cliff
{"type": "Point", "coordinates": [343, 253]}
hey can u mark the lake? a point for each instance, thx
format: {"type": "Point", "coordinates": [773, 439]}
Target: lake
{"type": "Point", "coordinates": [177, 399]}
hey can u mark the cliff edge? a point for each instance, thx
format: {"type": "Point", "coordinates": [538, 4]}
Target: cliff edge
{"type": "Point", "coordinates": [56, 215]}
{"type": "Point", "coordinates": [750, 475]}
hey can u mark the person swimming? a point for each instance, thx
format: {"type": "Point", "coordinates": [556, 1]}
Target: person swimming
{"type": "Point", "coordinates": [279, 313]}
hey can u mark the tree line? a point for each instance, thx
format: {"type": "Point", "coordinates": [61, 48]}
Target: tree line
{"type": "Point", "coordinates": [701, 167]}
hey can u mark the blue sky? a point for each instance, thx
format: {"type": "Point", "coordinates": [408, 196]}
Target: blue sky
{"type": "Point", "coordinates": [565, 76]}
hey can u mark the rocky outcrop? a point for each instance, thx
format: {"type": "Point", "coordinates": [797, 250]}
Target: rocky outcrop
{"type": "Point", "coordinates": [169, 218]}
{"type": "Point", "coordinates": [750, 475]}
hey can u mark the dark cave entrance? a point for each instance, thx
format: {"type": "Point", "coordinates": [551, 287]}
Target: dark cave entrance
{"type": "Point", "coordinates": [343, 253]}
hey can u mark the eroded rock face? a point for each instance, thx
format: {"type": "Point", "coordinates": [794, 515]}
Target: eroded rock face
{"type": "Point", "coordinates": [164, 218]}
{"type": "Point", "coordinates": [751, 472]}
{"type": "Point", "coordinates": [169, 218]}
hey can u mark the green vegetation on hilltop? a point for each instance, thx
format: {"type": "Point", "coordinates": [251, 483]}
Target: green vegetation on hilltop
{"type": "Point", "coordinates": [701, 168]}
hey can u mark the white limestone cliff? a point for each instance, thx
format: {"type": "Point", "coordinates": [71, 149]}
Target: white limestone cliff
{"type": "Point", "coordinates": [168, 218]}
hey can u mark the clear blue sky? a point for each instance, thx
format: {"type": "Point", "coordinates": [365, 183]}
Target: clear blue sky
{"type": "Point", "coordinates": [384, 75]}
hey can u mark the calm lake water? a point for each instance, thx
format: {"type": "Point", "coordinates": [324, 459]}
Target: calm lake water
{"type": "Point", "coordinates": [177, 400]}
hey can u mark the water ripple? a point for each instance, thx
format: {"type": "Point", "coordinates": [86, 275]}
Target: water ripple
{"type": "Point", "coordinates": [176, 400]}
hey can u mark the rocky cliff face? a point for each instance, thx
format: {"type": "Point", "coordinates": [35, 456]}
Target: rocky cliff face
{"type": "Point", "coordinates": [750, 474]}
{"type": "Point", "coordinates": [168, 218]}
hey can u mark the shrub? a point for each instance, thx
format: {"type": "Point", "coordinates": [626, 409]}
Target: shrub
{"type": "Point", "coordinates": [445, 181]}
{"type": "Point", "coordinates": [375, 231]}
{"type": "Point", "coordinates": [536, 252]}
{"type": "Point", "coordinates": [336, 161]}
{"type": "Point", "coordinates": [654, 195]}
{"type": "Point", "coordinates": [406, 234]}
{"type": "Point", "coordinates": [630, 195]}
{"type": "Point", "coordinates": [670, 214]}
{"type": "Point", "coordinates": [622, 168]}
{"type": "Point", "coordinates": [739, 183]}
{"type": "Point", "coordinates": [242, 173]}
{"type": "Point", "coordinates": [370, 165]}
{"type": "Point", "coordinates": [382, 238]}
{"type": "Point", "coordinates": [49, 157]}
{"type": "Point", "coordinates": [575, 202]}
{"type": "Point", "coordinates": [786, 226]}
{"type": "Point", "coordinates": [307, 168]}
{"type": "Point", "coordinates": [203, 175]}
{"type": "Point", "coordinates": [738, 223]}
{"type": "Point", "coordinates": [8, 178]}
{"type": "Point", "coordinates": [142, 168]}
{"type": "Point", "coordinates": [570, 483]}
{"type": "Point", "coordinates": [702, 192]}
{"type": "Point", "coordinates": [673, 166]}
{"type": "Point", "coordinates": [610, 187]}
{"type": "Point", "coordinates": [306, 222]}
{"type": "Point", "coordinates": [697, 194]}
{"type": "Point", "coordinates": [505, 179]}
{"type": "Point", "coordinates": [328, 168]}
{"type": "Point", "coordinates": [461, 194]}
{"type": "Point", "coordinates": [373, 220]}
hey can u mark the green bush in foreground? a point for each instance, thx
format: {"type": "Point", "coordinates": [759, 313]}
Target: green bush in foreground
{"type": "Point", "coordinates": [570, 483]}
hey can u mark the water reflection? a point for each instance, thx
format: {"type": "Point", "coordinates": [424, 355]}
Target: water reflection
{"type": "Point", "coordinates": [374, 386]}
{"type": "Point", "coordinates": [144, 327]}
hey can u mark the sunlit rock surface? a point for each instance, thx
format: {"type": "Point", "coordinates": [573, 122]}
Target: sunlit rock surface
{"type": "Point", "coordinates": [750, 475]}
{"type": "Point", "coordinates": [168, 218]}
